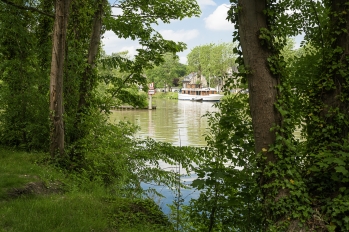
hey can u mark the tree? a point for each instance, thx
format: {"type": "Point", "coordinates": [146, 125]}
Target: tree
{"type": "Point", "coordinates": [24, 70]}
{"type": "Point", "coordinates": [194, 61]}
{"type": "Point", "coordinates": [326, 112]}
{"type": "Point", "coordinates": [62, 8]}
{"type": "Point", "coordinates": [212, 60]}
{"type": "Point", "coordinates": [261, 80]}
{"type": "Point", "coordinates": [257, 47]}
{"type": "Point", "coordinates": [75, 52]}
{"type": "Point", "coordinates": [301, 182]}
{"type": "Point", "coordinates": [117, 88]}
{"type": "Point", "coordinates": [165, 73]}
{"type": "Point", "coordinates": [81, 77]}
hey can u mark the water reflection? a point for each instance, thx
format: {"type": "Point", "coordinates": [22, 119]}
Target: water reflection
{"type": "Point", "coordinates": [176, 122]}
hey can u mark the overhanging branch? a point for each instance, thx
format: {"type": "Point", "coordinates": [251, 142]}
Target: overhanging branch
{"type": "Point", "coordinates": [28, 8]}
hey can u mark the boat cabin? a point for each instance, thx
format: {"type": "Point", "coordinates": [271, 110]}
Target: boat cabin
{"type": "Point", "coordinates": [196, 89]}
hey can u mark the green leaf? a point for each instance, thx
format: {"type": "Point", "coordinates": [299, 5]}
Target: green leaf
{"type": "Point", "coordinates": [342, 170]}
{"type": "Point", "coordinates": [198, 183]}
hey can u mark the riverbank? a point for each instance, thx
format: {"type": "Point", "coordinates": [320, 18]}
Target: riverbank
{"type": "Point", "coordinates": [127, 107]}
{"type": "Point", "coordinates": [167, 95]}
{"type": "Point", "coordinates": [36, 196]}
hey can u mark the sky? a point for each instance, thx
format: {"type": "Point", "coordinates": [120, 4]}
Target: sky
{"type": "Point", "coordinates": [210, 27]}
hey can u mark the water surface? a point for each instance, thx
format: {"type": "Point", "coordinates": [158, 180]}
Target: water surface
{"type": "Point", "coordinates": [173, 121]}
{"type": "Point", "coordinates": [180, 123]}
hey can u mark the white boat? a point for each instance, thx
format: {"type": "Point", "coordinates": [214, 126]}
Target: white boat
{"type": "Point", "coordinates": [193, 89]}
{"type": "Point", "coordinates": [199, 94]}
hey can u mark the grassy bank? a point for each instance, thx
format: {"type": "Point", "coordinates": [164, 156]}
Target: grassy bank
{"type": "Point", "coordinates": [35, 196]}
{"type": "Point", "coordinates": [168, 95]}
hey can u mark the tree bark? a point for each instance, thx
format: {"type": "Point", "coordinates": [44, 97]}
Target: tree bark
{"type": "Point", "coordinates": [332, 96]}
{"type": "Point", "coordinates": [261, 82]}
{"type": "Point", "coordinates": [263, 94]}
{"type": "Point", "coordinates": [56, 77]}
{"type": "Point", "coordinates": [88, 81]}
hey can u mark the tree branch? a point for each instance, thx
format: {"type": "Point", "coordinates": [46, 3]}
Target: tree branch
{"type": "Point", "coordinates": [118, 89]}
{"type": "Point", "coordinates": [142, 16]}
{"type": "Point", "coordinates": [28, 8]}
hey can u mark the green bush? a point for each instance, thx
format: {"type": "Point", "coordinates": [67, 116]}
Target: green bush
{"type": "Point", "coordinates": [129, 212]}
{"type": "Point", "coordinates": [86, 204]}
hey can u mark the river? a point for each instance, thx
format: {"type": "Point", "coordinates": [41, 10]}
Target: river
{"type": "Point", "coordinates": [180, 123]}
{"type": "Point", "coordinates": [173, 121]}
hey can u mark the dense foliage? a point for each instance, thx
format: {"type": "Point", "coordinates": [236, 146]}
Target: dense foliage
{"type": "Point", "coordinates": [167, 74]}
{"type": "Point", "coordinates": [93, 149]}
{"type": "Point", "coordinates": [299, 181]}
{"type": "Point", "coordinates": [24, 82]}
{"type": "Point", "coordinates": [214, 61]}
{"type": "Point", "coordinates": [277, 158]}
{"type": "Point", "coordinates": [35, 196]}
{"type": "Point", "coordinates": [25, 53]}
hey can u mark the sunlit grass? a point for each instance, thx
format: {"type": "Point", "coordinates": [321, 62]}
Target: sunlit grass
{"type": "Point", "coordinates": [76, 205]}
{"type": "Point", "coordinates": [18, 168]}
{"type": "Point", "coordinates": [167, 95]}
{"type": "Point", "coordinates": [54, 213]}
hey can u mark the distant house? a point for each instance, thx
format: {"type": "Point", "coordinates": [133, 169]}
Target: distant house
{"type": "Point", "coordinates": [193, 78]}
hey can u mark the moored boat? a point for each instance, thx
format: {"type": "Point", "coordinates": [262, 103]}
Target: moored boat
{"type": "Point", "coordinates": [193, 90]}
{"type": "Point", "coordinates": [199, 94]}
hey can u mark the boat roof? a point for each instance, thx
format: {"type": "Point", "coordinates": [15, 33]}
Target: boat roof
{"type": "Point", "coordinates": [201, 89]}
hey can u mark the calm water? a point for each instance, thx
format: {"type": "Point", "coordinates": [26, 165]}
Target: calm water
{"type": "Point", "coordinates": [176, 122]}
{"type": "Point", "coordinates": [173, 121]}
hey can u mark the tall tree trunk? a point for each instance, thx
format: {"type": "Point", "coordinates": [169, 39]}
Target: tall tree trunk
{"type": "Point", "coordinates": [56, 76]}
{"type": "Point", "coordinates": [263, 94]}
{"type": "Point", "coordinates": [87, 82]}
{"type": "Point", "coordinates": [261, 82]}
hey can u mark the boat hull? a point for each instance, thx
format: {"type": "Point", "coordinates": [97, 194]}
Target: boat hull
{"type": "Point", "coordinates": [189, 97]}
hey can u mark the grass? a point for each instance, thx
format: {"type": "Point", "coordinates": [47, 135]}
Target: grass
{"type": "Point", "coordinates": [38, 197]}
{"type": "Point", "coordinates": [54, 213]}
{"type": "Point", "coordinates": [167, 95]}
{"type": "Point", "coordinates": [18, 168]}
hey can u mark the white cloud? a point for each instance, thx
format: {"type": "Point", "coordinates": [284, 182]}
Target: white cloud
{"type": "Point", "coordinates": [181, 35]}
{"type": "Point", "coordinates": [183, 59]}
{"type": "Point", "coordinates": [217, 20]}
{"type": "Point", "coordinates": [131, 50]}
{"type": "Point", "coordinates": [203, 3]}
{"type": "Point", "coordinates": [113, 44]}
{"type": "Point", "coordinates": [116, 11]}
